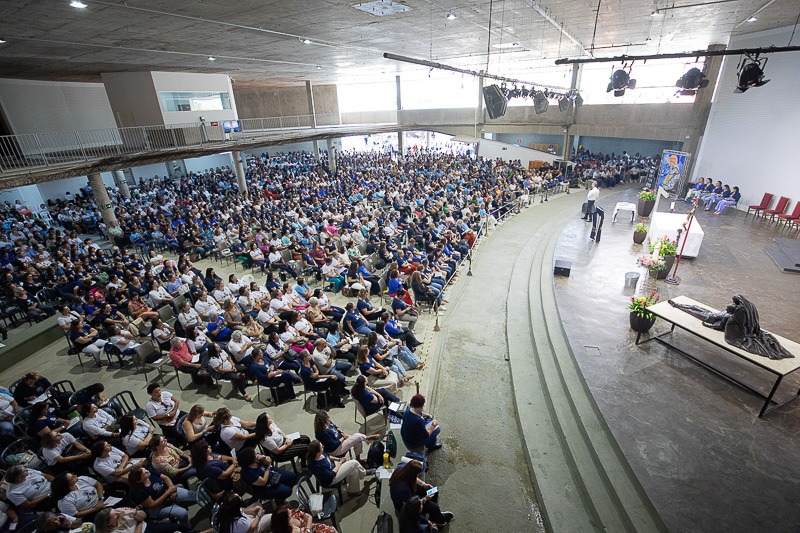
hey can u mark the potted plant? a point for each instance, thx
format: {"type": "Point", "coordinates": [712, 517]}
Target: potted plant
{"type": "Point", "coordinates": [668, 249]}
{"type": "Point", "coordinates": [639, 233]}
{"type": "Point", "coordinates": [653, 266]}
{"type": "Point", "coordinates": [641, 319]}
{"type": "Point", "coordinates": [647, 199]}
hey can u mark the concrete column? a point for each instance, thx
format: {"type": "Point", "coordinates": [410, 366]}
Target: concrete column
{"type": "Point", "coordinates": [122, 184]}
{"type": "Point", "coordinates": [480, 119]}
{"type": "Point", "coordinates": [331, 156]}
{"type": "Point", "coordinates": [101, 198]}
{"type": "Point", "coordinates": [312, 111]}
{"type": "Point", "coordinates": [573, 111]}
{"type": "Point", "coordinates": [399, 114]}
{"type": "Point", "coordinates": [239, 166]}
{"type": "Point", "coordinates": [700, 111]}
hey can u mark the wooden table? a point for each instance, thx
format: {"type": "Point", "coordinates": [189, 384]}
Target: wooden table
{"type": "Point", "coordinates": [780, 368]}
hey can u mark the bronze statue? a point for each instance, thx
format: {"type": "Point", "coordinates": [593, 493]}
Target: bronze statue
{"type": "Point", "coordinates": [740, 323]}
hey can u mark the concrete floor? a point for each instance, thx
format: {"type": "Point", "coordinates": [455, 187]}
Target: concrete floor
{"type": "Point", "coordinates": [693, 438]}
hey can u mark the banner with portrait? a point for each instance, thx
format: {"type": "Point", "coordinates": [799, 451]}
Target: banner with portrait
{"type": "Point", "coordinates": [672, 169]}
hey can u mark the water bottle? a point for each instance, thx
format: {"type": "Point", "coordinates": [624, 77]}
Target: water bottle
{"type": "Point", "coordinates": [386, 460]}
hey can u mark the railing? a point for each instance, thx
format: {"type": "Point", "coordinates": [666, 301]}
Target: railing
{"type": "Point", "coordinates": [37, 150]}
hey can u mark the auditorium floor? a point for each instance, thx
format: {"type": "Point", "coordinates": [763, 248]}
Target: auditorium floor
{"type": "Point", "coordinates": [694, 440]}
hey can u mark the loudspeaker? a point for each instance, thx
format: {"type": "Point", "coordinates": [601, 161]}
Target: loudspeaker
{"type": "Point", "coordinates": [495, 101]}
{"type": "Point", "coordinates": [562, 268]}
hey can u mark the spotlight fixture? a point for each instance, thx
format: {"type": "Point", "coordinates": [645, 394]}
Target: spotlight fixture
{"type": "Point", "coordinates": [524, 92]}
{"type": "Point", "coordinates": [2, 41]}
{"type": "Point", "coordinates": [514, 93]}
{"type": "Point", "coordinates": [620, 80]}
{"type": "Point", "coordinates": [752, 19]}
{"type": "Point", "coordinates": [576, 98]}
{"type": "Point", "coordinates": [751, 73]}
{"type": "Point", "coordinates": [496, 101]}
{"type": "Point", "coordinates": [451, 16]}
{"type": "Point", "coordinates": [655, 13]}
{"type": "Point", "coordinates": [212, 58]}
{"type": "Point", "coordinates": [305, 40]}
{"type": "Point", "coordinates": [691, 81]}
{"type": "Point", "coordinates": [319, 67]}
{"type": "Point", "coordinates": [540, 103]}
{"type": "Point", "coordinates": [563, 104]}
{"type": "Point", "coordinates": [77, 4]}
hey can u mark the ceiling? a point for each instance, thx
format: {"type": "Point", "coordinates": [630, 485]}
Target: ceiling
{"type": "Point", "coordinates": [259, 41]}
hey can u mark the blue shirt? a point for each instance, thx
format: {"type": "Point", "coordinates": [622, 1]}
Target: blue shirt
{"type": "Point", "coordinates": [413, 430]}
{"type": "Point", "coordinates": [322, 470]}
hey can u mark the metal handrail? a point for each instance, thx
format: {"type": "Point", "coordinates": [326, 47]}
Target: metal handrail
{"type": "Point", "coordinates": [37, 150]}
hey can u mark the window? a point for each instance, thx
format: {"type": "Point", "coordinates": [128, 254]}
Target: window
{"type": "Point", "coordinates": [194, 101]}
{"type": "Point", "coordinates": [655, 82]}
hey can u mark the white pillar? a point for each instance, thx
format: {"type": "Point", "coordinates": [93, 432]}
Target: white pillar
{"type": "Point", "coordinates": [238, 164]}
{"type": "Point", "coordinates": [399, 115]}
{"type": "Point", "coordinates": [122, 184]}
{"type": "Point", "coordinates": [101, 198]}
{"type": "Point", "coordinates": [331, 156]}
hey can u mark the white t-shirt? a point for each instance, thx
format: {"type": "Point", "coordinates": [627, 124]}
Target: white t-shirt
{"type": "Point", "coordinates": [274, 441]}
{"type": "Point", "coordinates": [81, 499]}
{"type": "Point", "coordinates": [236, 348]}
{"type": "Point", "coordinates": [105, 466]}
{"type": "Point", "coordinates": [161, 408]}
{"type": "Point", "coordinates": [6, 410]}
{"type": "Point", "coordinates": [34, 486]}
{"type": "Point", "coordinates": [138, 434]}
{"type": "Point", "coordinates": [95, 426]}
{"type": "Point", "coordinates": [209, 305]}
{"type": "Point", "coordinates": [321, 358]}
{"type": "Point", "coordinates": [227, 433]}
{"type": "Point", "coordinates": [50, 454]}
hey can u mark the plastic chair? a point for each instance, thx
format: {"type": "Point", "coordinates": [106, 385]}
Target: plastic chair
{"type": "Point", "coordinates": [359, 410]}
{"type": "Point", "coordinates": [73, 350]}
{"type": "Point", "coordinates": [765, 201]}
{"type": "Point", "coordinates": [167, 314]}
{"type": "Point", "coordinates": [329, 504]}
{"type": "Point", "coordinates": [124, 403]}
{"type": "Point", "coordinates": [148, 357]}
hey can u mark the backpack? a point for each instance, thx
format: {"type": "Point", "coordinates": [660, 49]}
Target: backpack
{"type": "Point", "coordinates": [375, 454]}
{"type": "Point", "coordinates": [384, 524]}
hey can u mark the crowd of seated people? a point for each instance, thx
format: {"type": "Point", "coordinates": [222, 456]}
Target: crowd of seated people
{"type": "Point", "coordinates": [406, 223]}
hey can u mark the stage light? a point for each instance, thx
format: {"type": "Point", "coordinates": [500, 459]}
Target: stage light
{"type": "Point", "coordinates": [563, 104]}
{"type": "Point", "coordinates": [77, 4]}
{"type": "Point", "coordinates": [751, 74]}
{"type": "Point", "coordinates": [578, 100]}
{"type": "Point", "coordinates": [212, 58]}
{"type": "Point", "coordinates": [540, 103]}
{"type": "Point", "coordinates": [525, 92]}
{"type": "Point", "coordinates": [514, 93]}
{"type": "Point", "coordinates": [620, 80]}
{"type": "Point", "coordinates": [2, 41]}
{"type": "Point", "coordinates": [691, 81]}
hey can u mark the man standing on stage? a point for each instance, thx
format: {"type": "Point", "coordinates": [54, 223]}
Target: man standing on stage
{"type": "Point", "coordinates": [591, 198]}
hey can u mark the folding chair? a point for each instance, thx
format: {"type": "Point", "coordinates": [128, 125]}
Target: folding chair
{"type": "Point", "coordinates": [124, 403]}
{"type": "Point", "coordinates": [148, 357]}
{"type": "Point", "coordinates": [765, 201]}
{"type": "Point", "coordinates": [329, 504]}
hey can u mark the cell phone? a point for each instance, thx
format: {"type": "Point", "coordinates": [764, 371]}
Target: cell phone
{"type": "Point", "coordinates": [432, 491]}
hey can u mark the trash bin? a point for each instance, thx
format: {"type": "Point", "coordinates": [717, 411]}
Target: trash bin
{"type": "Point", "coordinates": [631, 279]}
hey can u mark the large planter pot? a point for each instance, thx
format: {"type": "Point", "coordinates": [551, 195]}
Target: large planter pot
{"type": "Point", "coordinates": [639, 237]}
{"type": "Point", "coordinates": [645, 207]}
{"type": "Point", "coordinates": [641, 324]}
{"type": "Point", "coordinates": [670, 261]}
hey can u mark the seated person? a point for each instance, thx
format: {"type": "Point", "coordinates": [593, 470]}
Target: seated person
{"type": "Point", "coordinates": [162, 408]}
{"type": "Point", "coordinates": [29, 489]}
{"type": "Point", "coordinates": [135, 435]}
{"type": "Point", "coordinates": [223, 367]}
{"type": "Point", "coordinates": [110, 463]}
{"type": "Point", "coordinates": [233, 517]}
{"type": "Point", "coordinates": [267, 481]}
{"type": "Point", "coordinates": [372, 400]}
{"type": "Point", "coordinates": [91, 394]}
{"type": "Point", "coordinates": [377, 375]}
{"type": "Point", "coordinates": [289, 520]}
{"type": "Point", "coordinates": [80, 497]}
{"type": "Point", "coordinates": [195, 426]}
{"type": "Point", "coordinates": [233, 432]}
{"type": "Point", "coordinates": [30, 388]}
{"type": "Point", "coordinates": [217, 468]}
{"type": "Point", "coordinates": [98, 423]}
{"type": "Point", "coordinates": [419, 429]}
{"type": "Point", "coordinates": [158, 495]}
{"type": "Point", "coordinates": [730, 201]}
{"type": "Point", "coordinates": [184, 361]}
{"type": "Point", "coordinates": [329, 471]}
{"type": "Point", "coordinates": [170, 461]}
{"type": "Point", "coordinates": [330, 388]}
{"type": "Point", "coordinates": [405, 483]}
{"type": "Point", "coordinates": [270, 376]}
{"type": "Point", "coordinates": [64, 452]}
{"type": "Point", "coordinates": [272, 439]}
{"type": "Point", "coordinates": [323, 357]}
{"type": "Point", "coordinates": [334, 440]}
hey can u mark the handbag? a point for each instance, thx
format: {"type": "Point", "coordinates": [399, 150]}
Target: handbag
{"type": "Point", "coordinates": [236, 478]}
{"type": "Point", "coordinates": [273, 479]}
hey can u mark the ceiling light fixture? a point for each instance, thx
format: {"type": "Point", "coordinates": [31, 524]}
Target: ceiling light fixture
{"type": "Point", "coordinates": [620, 80]}
{"type": "Point", "coordinates": [77, 4]}
{"type": "Point", "coordinates": [751, 73]}
{"type": "Point", "coordinates": [2, 41]}
{"type": "Point", "coordinates": [305, 40]}
{"type": "Point", "coordinates": [319, 67]}
{"type": "Point", "coordinates": [691, 81]}
{"type": "Point", "coordinates": [655, 13]}
{"type": "Point", "coordinates": [752, 19]}
{"type": "Point", "coordinates": [212, 58]}
{"type": "Point", "coordinates": [450, 16]}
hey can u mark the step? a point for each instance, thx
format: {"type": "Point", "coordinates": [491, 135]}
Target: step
{"type": "Point", "coordinates": [783, 261]}
{"type": "Point", "coordinates": [791, 247]}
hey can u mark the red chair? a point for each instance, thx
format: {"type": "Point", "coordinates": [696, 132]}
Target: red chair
{"type": "Point", "coordinates": [792, 218]}
{"type": "Point", "coordinates": [783, 202]}
{"type": "Point", "coordinates": [765, 201]}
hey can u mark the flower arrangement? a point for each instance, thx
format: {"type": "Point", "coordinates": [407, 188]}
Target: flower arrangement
{"type": "Point", "coordinates": [668, 246]}
{"type": "Point", "coordinates": [647, 195]}
{"type": "Point", "coordinates": [653, 265]}
{"type": "Point", "coordinates": [639, 305]}
{"type": "Point", "coordinates": [640, 228]}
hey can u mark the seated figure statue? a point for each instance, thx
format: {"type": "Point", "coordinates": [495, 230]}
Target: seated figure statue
{"type": "Point", "coordinates": [740, 323]}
